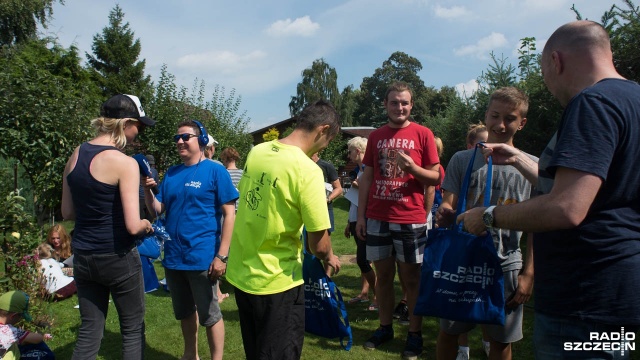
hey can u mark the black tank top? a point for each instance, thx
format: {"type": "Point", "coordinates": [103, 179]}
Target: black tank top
{"type": "Point", "coordinates": [100, 226]}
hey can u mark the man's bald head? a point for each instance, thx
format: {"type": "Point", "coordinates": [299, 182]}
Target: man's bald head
{"type": "Point", "coordinates": [579, 36]}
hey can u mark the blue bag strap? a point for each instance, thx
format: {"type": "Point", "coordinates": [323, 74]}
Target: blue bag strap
{"type": "Point", "coordinates": [462, 197]}
{"type": "Point", "coordinates": [343, 311]}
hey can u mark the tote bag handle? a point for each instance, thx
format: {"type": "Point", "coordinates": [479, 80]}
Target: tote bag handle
{"type": "Point", "coordinates": [462, 197]}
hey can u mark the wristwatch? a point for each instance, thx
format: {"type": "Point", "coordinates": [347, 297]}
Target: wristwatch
{"type": "Point", "coordinates": [487, 217]}
{"type": "Point", "coordinates": [222, 258]}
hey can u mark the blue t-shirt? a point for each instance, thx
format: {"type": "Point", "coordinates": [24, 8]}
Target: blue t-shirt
{"type": "Point", "coordinates": [592, 271]}
{"type": "Point", "coordinates": [192, 196]}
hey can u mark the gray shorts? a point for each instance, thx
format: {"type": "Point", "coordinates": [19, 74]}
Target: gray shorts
{"type": "Point", "coordinates": [194, 291]}
{"type": "Point", "coordinates": [404, 241]}
{"type": "Point", "coordinates": [512, 329]}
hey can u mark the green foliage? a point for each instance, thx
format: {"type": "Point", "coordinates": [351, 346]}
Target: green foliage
{"type": "Point", "coordinates": [19, 238]}
{"type": "Point", "coordinates": [115, 60]}
{"type": "Point", "coordinates": [336, 152]}
{"type": "Point", "coordinates": [221, 116]}
{"type": "Point", "coordinates": [271, 134]}
{"type": "Point", "coordinates": [625, 39]}
{"type": "Point", "coordinates": [46, 101]}
{"type": "Point", "coordinates": [19, 19]}
{"type": "Point", "coordinates": [399, 67]}
{"type": "Point", "coordinates": [320, 81]}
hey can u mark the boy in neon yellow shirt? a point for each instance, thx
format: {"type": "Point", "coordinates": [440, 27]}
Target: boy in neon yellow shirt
{"type": "Point", "coordinates": [281, 190]}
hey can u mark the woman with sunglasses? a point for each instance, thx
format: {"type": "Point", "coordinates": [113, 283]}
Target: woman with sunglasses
{"type": "Point", "coordinates": [100, 192]}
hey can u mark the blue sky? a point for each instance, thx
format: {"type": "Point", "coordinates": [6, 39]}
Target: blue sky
{"type": "Point", "coordinates": [260, 48]}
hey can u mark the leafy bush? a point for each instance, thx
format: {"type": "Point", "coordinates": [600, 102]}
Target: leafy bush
{"type": "Point", "coordinates": [19, 238]}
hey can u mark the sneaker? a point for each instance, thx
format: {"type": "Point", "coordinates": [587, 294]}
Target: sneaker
{"type": "Point", "coordinates": [402, 306]}
{"type": "Point", "coordinates": [413, 348]}
{"type": "Point", "coordinates": [462, 355]}
{"type": "Point", "coordinates": [404, 317]}
{"type": "Point", "coordinates": [486, 346]}
{"type": "Point", "coordinates": [381, 335]}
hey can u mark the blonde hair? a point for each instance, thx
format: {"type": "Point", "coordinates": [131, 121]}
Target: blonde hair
{"type": "Point", "coordinates": [65, 241]}
{"type": "Point", "coordinates": [358, 142]}
{"type": "Point", "coordinates": [439, 146]}
{"type": "Point", "coordinates": [114, 127]}
{"type": "Point", "coordinates": [45, 251]}
{"type": "Point", "coordinates": [512, 96]}
{"type": "Point", "coordinates": [473, 132]}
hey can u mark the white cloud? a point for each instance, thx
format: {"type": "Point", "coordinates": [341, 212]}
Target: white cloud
{"type": "Point", "coordinates": [483, 47]}
{"type": "Point", "coordinates": [299, 27]}
{"type": "Point", "coordinates": [467, 89]}
{"type": "Point", "coordinates": [225, 62]}
{"type": "Point", "coordinates": [450, 13]}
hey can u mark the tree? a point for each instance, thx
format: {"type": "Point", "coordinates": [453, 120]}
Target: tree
{"type": "Point", "coordinates": [221, 116]}
{"type": "Point", "coordinates": [46, 102]}
{"type": "Point", "coordinates": [399, 67]}
{"type": "Point", "coordinates": [347, 105]}
{"type": "Point", "coordinates": [624, 40]}
{"type": "Point", "coordinates": [19, 19]}
{"type": "Point", "coordinates": [115, 60]}
{"type": "Point", "coordinates": [320, 81]}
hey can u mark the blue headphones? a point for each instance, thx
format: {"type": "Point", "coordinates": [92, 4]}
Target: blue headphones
{"type": "Point", "coordinates": [203, 138]}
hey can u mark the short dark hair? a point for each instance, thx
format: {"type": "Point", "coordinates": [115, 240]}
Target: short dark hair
{"type": "Point", "coordinates": [190, 124]}
{"type": "Point", "coordinates": [317, 114]}
{"type": "Point", "coordinates": [229, 154]}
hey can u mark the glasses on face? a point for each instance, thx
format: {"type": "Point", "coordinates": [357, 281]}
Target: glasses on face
{"type": "Point", "coordinates": [184, 137]}
{"type": "Point", "coordinates": [140, 126]}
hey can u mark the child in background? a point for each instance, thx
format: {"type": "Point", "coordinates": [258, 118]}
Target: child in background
{"type": "Point", "coordinates": [58, 285]}
{"type": "Point", "coordinates": [14, 341]}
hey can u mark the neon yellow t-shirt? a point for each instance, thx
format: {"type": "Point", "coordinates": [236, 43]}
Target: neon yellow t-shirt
{"type": "Point", "coordinates": [281, 189]}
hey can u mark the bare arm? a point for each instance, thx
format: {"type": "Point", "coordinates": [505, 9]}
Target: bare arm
{"type": "Point", "coordinates": [67, 208]}
{"type": "Point", "coordinates": [363, 198]}
{"type": "Point", "coordinates": [217, 267]}
{"type": "Point", "coordinates": [32, 338]}
{"type": "Point", "coordinates": [565, 207]}
{"type": "Point", "coordinates": [154, 206]}
{"type": "Point", "coordinates": [503, 154]}
{"type": "Point", "coordinates": [429, 195]}
{"type": "Point", "coordinates": [319, 243]}
{"type": "Point", "coordinates": [525, 278]}
{"type": "Point", "coordinates": [129, 182]}
{"type": "Point", "coordinates": [429, 175]}
{"type": "Point", "coordinates": [337, 190]}
{"type": "Point", "coordinates": [447, 210]}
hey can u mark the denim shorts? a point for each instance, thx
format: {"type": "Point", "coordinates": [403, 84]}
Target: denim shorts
{"type": "Point", "coordinates": [556, 337]}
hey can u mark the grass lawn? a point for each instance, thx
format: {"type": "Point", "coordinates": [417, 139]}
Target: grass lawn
{"type": "Point", "coordinates": [164, 340]}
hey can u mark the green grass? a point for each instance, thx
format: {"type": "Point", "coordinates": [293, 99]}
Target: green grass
{"type": "Point", "coordinates": [164, 340]}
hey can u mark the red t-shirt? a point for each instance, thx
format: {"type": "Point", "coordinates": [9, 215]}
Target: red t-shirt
{"type": "Point", "coordinates": [396, 196]}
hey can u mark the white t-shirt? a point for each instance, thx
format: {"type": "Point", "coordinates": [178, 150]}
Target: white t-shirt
{"type": "Point", "coordinates": [54, 278]}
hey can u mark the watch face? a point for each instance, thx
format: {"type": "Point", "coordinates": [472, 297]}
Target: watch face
{"type": "Point", "coordinates": [487, 218]}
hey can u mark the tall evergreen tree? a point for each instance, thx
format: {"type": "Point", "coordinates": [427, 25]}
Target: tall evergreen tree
{"type": "Point", "coordinates": [115, 59]}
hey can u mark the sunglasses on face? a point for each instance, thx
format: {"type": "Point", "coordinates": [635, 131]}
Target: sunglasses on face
{"type": "Point", "coordinates": [184, 137]}
{"type": "Point", "coordinates": [140, 126]}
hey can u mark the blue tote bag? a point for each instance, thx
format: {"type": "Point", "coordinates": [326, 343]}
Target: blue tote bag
{"type": "Point", "coordinates": [325, 312]}
{"type": "Point", "coordinates": [461, 277]}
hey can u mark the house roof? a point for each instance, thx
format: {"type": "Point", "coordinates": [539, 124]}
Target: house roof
{"type": "Point", "coordinates": [354, 131]}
